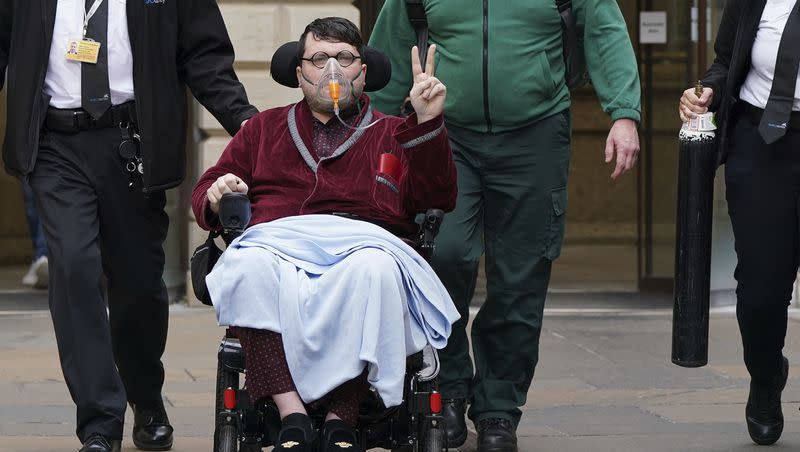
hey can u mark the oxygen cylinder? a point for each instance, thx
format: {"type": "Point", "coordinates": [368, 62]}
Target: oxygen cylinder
{"type": "Point", "coordinates": [697, 165]}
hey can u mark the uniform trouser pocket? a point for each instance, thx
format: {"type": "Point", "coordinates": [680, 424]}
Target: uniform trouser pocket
{"type": "Point", "coordinates": [557, 223]}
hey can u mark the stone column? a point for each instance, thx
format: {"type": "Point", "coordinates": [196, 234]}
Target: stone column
{"type": "Point", "coordinates": [257, 28]}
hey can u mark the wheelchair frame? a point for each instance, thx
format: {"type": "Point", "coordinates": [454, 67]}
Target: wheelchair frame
{"type": "Point", "coordinates": [416, 425]}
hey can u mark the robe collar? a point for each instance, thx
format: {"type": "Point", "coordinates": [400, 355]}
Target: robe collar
{"type": "Point", "coordinates": [301, 126]}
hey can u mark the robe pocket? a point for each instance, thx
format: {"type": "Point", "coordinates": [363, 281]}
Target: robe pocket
{"type": "Point", "coordinates": [558, 217]}
{"type": "Point", "coordinates": [386, 193]}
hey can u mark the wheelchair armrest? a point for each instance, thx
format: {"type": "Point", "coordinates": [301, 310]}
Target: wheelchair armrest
{"type": "Point", "coordinates": [430, 364]}
{"type": "Point", "coordinates": [234, 215]}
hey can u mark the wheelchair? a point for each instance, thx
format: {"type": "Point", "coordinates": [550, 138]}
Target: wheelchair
{"type": "Point", "coordinates": [416, 425]}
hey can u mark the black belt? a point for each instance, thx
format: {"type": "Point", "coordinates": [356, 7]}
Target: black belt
{"type": "Point", "coordinates": [76, 120]}
{"type": "Point", "coordinates": [754, 114]}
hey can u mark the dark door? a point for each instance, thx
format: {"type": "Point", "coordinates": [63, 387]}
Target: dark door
{"type": "Point", "coordinates": [667, 69]}
{"type": "Point", "coordinates": [369, 13]}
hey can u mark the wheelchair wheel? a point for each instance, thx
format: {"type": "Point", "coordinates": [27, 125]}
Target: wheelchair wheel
{"type": "Point", "coordinates": [227, 439]}
{"type": "Point", "coordinates": [225, 379]}
{"type": "Point", "coordinates": [435, 440]}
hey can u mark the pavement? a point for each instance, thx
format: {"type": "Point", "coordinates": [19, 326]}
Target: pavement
{"type": "Point", "coordinates": [604, 381]}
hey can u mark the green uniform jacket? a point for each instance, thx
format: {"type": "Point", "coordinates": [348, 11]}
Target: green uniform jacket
{"type": "Point", "coordinates": [502, 61]}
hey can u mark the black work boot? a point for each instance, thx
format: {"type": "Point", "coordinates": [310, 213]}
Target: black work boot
{"type": "Point", "coordinates": [496, 435]}
{"type": "Point", "coordinates": [763, 411]}
{"type": "Point", "coordinates": [297, 434]}
{"type": "Point", "coordinates": [454, 414]}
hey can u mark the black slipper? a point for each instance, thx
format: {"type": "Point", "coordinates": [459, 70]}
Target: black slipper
{"type": "Point", "coordinates": [297, 434]}
{"type": "Point", "coordinates": [338, 436]}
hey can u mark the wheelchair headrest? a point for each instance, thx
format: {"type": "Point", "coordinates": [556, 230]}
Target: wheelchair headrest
{"type": "Point", "coordinates": [285, 61]}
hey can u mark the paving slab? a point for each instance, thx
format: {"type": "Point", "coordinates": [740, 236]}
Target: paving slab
{"type": "Point", "coordinates": [604, 382]}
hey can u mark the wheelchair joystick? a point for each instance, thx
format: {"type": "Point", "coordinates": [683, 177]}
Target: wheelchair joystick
{"type": "Point", "coordinates": [429, 230]}
{"type": "Point", "coordinates": [234, 214]}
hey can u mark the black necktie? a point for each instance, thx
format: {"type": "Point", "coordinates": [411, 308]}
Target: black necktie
{"type": "Point", "coordinates": [781, 97]}
{"type": "Point", "coordinates": [95, 93]}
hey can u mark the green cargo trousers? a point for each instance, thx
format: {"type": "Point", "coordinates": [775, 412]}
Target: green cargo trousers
{"type": "Point", "coordinates": [512, 197]}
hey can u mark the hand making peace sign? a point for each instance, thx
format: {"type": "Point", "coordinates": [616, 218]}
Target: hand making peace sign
{"type": "Point", "coordinates": [428, 93]}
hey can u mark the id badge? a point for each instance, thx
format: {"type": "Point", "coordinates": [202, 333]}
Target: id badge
{"type": "Point", "coordinates": [83, 50]}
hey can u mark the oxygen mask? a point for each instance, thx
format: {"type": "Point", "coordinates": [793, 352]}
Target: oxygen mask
{"type": "Point", "coordinates": [334, 88]}
{"type": "Point", "coordinates": [332, 85]}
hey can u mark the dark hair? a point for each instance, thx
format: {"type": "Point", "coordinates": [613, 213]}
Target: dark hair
{"type": "Point", "coordinates": [334, 29]}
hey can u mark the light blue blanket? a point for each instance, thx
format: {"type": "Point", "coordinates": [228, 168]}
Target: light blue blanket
{"type": "Point", "coordinates": [344, 294]}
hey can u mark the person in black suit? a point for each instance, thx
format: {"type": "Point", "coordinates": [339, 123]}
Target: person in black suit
{"type": "Point", "coordinates": [753, 88]}
{"type": "Point", "coordinates": [99, 132]}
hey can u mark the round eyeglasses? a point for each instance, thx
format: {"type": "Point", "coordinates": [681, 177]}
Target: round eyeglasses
{"type": "Point", "coordinates": [345, 58]}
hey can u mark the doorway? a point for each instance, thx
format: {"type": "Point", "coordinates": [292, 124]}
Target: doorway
{"type": "Point", "coordinates": [15, 246]}
{"type": "Point", "coordinates": [667, 69]}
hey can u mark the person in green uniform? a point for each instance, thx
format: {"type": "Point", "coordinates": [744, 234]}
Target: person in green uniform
{"type": "Point", "coordinates": [507, 115]}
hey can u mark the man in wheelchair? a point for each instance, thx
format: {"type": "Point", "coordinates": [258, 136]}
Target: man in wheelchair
{"type": "Point", "coordinates": [326, 306]}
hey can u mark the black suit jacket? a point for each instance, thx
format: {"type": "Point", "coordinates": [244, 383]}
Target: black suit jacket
{"type": "Point", "coordinates": [733, 47]}
{"type": "Point", "coordinates": [175, 43]}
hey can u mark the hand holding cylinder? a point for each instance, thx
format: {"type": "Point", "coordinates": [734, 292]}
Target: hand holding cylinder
{"type": "Point", "coordinates": [695, 101]}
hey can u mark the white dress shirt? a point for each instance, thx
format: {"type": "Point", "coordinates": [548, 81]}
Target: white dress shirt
{"type": "Point", "coordinates": [758, 83]}
{"type": "Point", "coordinates": [63, 79]}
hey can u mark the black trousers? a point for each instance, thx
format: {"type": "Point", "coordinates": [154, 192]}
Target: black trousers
{"type": "Point", "coordinates": [96, 227]}
{"type": "Point", "coordinates": [763, 192]}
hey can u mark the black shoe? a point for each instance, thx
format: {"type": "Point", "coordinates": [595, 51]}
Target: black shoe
{"type": "Point", "coordinates": [453, 412]}
{"type": "Point", "coordinates": [98, 443]}
{"type": "Point", "coordinates": [763, 411]}
{"type": "Point", "coordinates": [496, 435]}
{"type": "Point", "coordinates": [297, 434]}
{"type": "Point", "coordinates": [151, 429]}
{"type": "Point", "coordinates": [337, 436]}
